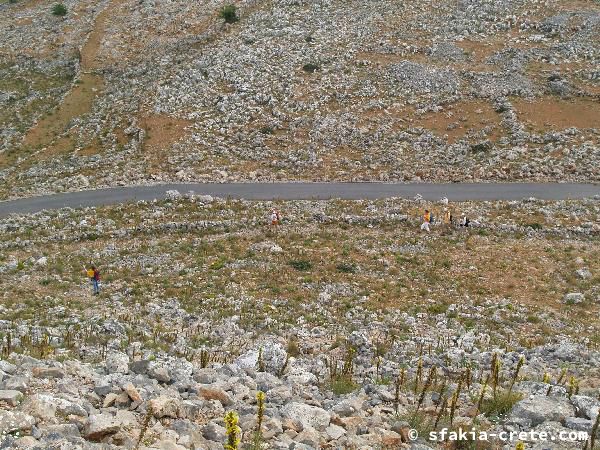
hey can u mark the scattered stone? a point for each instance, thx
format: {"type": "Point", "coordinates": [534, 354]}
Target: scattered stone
{"type": "Point", "coordinates": [583, 273]}
{"type": "Point", "coordinates": [15, 421]}
{"type": "Point", "coordinates": [11, 398]}
{"type": "Point", "coordinates": [165, 407]}
{"type": "Point", "coordinates": [215, 393]}
{"type": "Point", "coordinates": [47, 372]}
{"type": "Point", "coordinates": [573, 298]}
{"type": "Point", "coordinates": [98, 426]}
{"type": "Point", "coordinates": [117, 362]}
{"type": "Point", "coordinates": [307, 415]}
{"type": "Point", "coordinates": [159, 373]}
{"type": "Point", "coordinates": [132, 392]}
{"type": "Point", "coordinates": [539, 409]}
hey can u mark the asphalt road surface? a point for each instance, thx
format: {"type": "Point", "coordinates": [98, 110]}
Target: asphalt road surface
{"type": "Point", "coordinates": [305, 191]}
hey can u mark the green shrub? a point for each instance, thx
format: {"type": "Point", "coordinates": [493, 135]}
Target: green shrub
{"type": "Point", "coordinates": [219, 264]}
{"type": "Point", "coordinates": [534, 226]}
{"type": "Point", "coordinates": [301, 264]}
{"type": "Point", "coordinates": [481, 147]}
{"type": "Point", "coordinates": [59, 10]}
{"type": "Point", "coordinates": [401, 259]}
{"type": "Point", "coordinates": [499, 406]}
{"type": "Point", "coordinates": [346, 267]}
{"type": "Point", "coordinates": [446, 263]}
{"type": "Point", "coordinates": [229, 14]}
{"type": "Point", "coordinates": [438, 308]}
{"type": "Point", "coordinates": [292, 348]}
{"type": "Point", "coordinates": [310, 68]}
{"type": "Point", "coordinates": [342, 384]}
{"type": "Point", "coordinates": [267, 130]}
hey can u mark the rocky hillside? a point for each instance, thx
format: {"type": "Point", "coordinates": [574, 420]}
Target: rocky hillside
{"type": "Point", "coordinates": [359, 330]}
{"type": "Point", "coordinates": [124, 91]}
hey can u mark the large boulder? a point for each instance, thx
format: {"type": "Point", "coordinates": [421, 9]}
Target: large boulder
{"type": "Point", "coordinates": [298, 375]}
{"type": "Point", "coordinates": [573, 298]}
{"type": "Point", "coordinates": [140, 367]}
{"type": "Point", "coordinates": [63, 430]}
{"type": "Point", "coordinates": [15, 383]}
{"type": "Point", "coordinates": [210, 392]}
{"type": "Point", "coordinates": [213, 432]}
{"type": "Point", "coordinates": [164, 406]}
{"type": "Point", "coordinates": [159, 373]}
{"type": "Point", "coordinates": [553, 430]}
{"type": "Point", "coordinates": [132, 392]}
{"type": "Point", "coordinates": [47, 372]}
{"type": "Point", "coordinates": [334, 432]}
{"type": "Point", "coordinates": [45, 407]}
{"type": "Point", "coordinates": [579, 424]}
{"type": "Point", "coordinates": [117, 362]}
{"type": "Point", "coordinates": [98, 426]}
{"type": "Point", "coordinates": [180, 370]}
{"type": "Point", "coordinates": [528, 388]}
{"type": "Point", "coordinates": [10, 397]}
{"type": "Point", "coordinates": [307, 415]}
{"type": "Point", "coordinates": [586, 407]}
{"type": "Point", "coordinates": [205, 376]}
{"type": "Point", "coordinates": [272, 354]}
{"type": "Point", "coordinates": [350, 406]}
{"type": "Point", "coordinates": [310, 437]}
{"type": "Point", "coordinates": [12, 421]}
{"type": "Point", "coordinates": [539, 409]}
{"type": "Point", "coordinates": [7, 367]}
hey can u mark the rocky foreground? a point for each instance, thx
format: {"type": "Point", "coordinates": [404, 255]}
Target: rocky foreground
{"type": "Point", "coordinates": [355, 326]}
{"type": "Point", "coordinates": [135, 399]}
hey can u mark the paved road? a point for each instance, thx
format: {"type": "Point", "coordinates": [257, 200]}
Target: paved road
{"type": "Point", "coordinates": [304, 191]}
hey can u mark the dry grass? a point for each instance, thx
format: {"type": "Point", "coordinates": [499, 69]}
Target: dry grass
{"type": "Point", "coordinates": [554, 114]}
{"type": "Point", "coordinates": [528, 275]}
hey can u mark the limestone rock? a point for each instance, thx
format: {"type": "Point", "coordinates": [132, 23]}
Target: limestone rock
{"type": "Point", "coordinates": [307, 415]}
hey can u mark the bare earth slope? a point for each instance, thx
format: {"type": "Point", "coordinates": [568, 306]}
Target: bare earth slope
{"type": "Point", "coordinates": [124, 91]}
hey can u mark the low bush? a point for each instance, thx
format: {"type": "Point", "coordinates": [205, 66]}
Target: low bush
{"type": "Point", "coordinates": [310, 68]}
{"type": "Point", "coordinates": [346, 267]}
{"type": "Point", "coordinates": [341, 385]}
{"type": "Point", "coordinates": [59, 10]}
{"type": "Point", "coordinates": [229, 14]}
{"type": "Point", "coordinates": [301, 264]}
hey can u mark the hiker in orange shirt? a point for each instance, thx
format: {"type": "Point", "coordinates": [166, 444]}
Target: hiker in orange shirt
{"type": "Point", "coordinates": [94, 275]}
{"type": "Point", "coordinates": [426, 221]}
{"type": "Point", "coordinates": [448, 218]}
